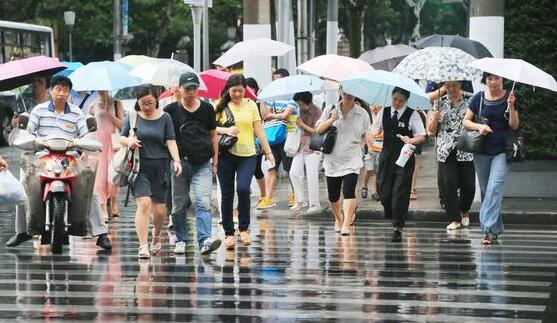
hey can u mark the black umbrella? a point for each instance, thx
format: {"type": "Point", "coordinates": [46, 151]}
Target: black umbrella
{"type": "Point", "coordinates": [472, 47]}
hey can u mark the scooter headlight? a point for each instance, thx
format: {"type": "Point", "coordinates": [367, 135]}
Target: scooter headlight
{"type": "Point", "coordinates": [57, 144]}
{"type": "Point", "coordinates": [57, 169]}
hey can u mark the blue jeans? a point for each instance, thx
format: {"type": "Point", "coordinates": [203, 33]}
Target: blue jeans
{"type": "Point", "coordinates": [492, 172]}
{"type": "Point", "coordinates": [242, 168]}
{"type": "Point", "coordinates": [200, 179]}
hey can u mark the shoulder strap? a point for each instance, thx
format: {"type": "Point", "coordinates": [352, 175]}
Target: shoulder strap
{"type": "Point", "coordinates": [133, 120]}
{"type": "Point", "coordinates": [229, 114]}
{"type": "Point", "coordinates": [87, 95]}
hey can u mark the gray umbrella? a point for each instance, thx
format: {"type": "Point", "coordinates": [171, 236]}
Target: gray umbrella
{"type": "Point", "coordinates": [387, 57]}
{"type": "Point", "coordinates": [472, 47]}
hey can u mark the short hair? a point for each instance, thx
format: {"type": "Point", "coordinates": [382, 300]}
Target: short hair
{"type": "Point", "coordinates": [143, 91]}
{"type": "Point", "coordinates": [252, 83]}
{"type": "Point", "coordinates": [282, 71]}
{"type": "Point", "coordinates": [485, 75]}
{"type": "Point", "coordinates": [305, 97]}
{"type": "Point", "coordinates": [401, 91]}
{"type": "Point", "coordinates": [60, 80]}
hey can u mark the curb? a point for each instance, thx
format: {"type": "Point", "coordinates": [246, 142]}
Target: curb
{"type": "Point", "coordinates": [436, 215]}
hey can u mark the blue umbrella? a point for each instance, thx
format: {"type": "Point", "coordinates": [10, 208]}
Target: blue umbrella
{"type": "Point", "coordinates": [285, 88]}
{"type": "Point", "coordinates": [70, 68]}
{"type": "Point", "coordinates": [375, 87]}
{"type": "Point", "coordinates": [103, 76]}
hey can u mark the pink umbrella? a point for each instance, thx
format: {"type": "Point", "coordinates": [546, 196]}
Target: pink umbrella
{"type": "Point", "coordinates": [334, 67]}
{"type": "Point", "coordinates": [215, 81]}
{"type": "Point", "coordinates": [20, 72]}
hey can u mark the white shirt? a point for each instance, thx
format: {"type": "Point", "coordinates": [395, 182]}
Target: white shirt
{"type": "Point", "coordinates": [416, 124]}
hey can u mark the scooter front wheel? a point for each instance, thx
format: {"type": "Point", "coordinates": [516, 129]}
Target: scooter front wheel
{"type": "Point", "coordinates": [57, 228]}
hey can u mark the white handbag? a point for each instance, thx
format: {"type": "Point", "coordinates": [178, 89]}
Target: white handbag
{"type": "Point", "coordinates": [292, 144]}
{"type": "Point", "coordinates": [120, 173]}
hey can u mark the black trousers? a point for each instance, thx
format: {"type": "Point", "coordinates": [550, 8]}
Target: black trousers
{"type": "Point", "coordinates": [457, 185]}
{"type": "Point", "coordinates": [394, 184]}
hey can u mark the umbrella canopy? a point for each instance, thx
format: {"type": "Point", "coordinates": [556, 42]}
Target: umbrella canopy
{"type": "Point", "coordinates": [387, 57]}
{"type": "Point", "coordinates": [102, 76]}
{"type": "Point", "coordinates": [375, 87]}
{"type": "Point", "coordinates": [162, 71]}
{"type": "Point", "coordinates": [472, 47]}
{"type": "Point", "coordinates": [134, 60]}
{"type": "Point", "coordinates": [215, 81]}
{"type": "Point", "coordinates": [334, 67]}
{"type": "Point", "coordinates": [285, 88]}
{"type": "Point", "coordinates": [252, 48]}
{"type": "Point", "coordinates": [17, 73]}
{"type": "Point", "coordinates": [438, 64]}
{"type": "Point", "coordinates": [516, 70]}
{"type": "Point", "coordinates": [70, 68]}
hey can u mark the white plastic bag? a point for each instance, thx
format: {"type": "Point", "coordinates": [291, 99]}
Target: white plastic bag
{"type": "Point", "coordinates": [11, 190]}
{"type": "Point", "coordinates": [292, 144]}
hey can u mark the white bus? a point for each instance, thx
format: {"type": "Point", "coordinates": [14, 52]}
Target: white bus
{"type": "Point", "coordinates": [19, 40]}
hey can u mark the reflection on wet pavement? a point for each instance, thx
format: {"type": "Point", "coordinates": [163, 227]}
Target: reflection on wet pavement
{"type": "Point", "coordinates": [296, 269]}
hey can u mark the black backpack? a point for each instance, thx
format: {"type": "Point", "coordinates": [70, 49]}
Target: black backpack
{"type": "Point", "coordinates": [196, 142]}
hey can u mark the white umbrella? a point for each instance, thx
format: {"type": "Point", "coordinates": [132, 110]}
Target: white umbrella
{"type": "Point", "coordinates": [102, 76]}
{"type": "Point", "coordinates": [162, 71]}
{"type": "Point", "coordinates": [334, 67]}
{"type": "Point", "coordinates": [252, 48]}
{"type": "Point", "coordinates": [516, 70]}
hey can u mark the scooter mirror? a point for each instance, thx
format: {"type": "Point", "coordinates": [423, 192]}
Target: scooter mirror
{"type": "Point", "coordinates": [22, 121]}
{"type": "Point", "coordinates": [91, 124]}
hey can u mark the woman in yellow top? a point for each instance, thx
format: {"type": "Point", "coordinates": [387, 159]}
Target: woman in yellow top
{"type": "Point", "coordinates": [239, 162]}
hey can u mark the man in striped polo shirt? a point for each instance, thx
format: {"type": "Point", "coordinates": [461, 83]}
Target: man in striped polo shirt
{"type": "Point", "coordinates": [60, 118]}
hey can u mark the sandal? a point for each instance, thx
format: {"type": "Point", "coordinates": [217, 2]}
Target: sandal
{"type": "Point", "coordinates": [144, 252]}
{"type": "Point", "coordinates": [413, 196]}
{"type": "Point", "coordinates": [364, 192]}
{"type": "Point", "coordinates": [156, 245]}
{"type": "Point", "coordinates": [487, 240]}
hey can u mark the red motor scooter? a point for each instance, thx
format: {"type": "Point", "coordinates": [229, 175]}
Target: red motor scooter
{"type": "Point", "coordinates": [59, 202]}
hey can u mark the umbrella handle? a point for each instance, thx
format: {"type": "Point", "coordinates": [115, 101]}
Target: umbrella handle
{"type": "Point", "coordinates": [512, 91]}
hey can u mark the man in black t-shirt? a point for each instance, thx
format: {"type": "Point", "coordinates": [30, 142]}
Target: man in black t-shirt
{"type": "Point", "coordinates": [195, 126]}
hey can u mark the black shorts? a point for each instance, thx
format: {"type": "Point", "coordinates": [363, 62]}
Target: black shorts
{"type": "Point", "coordinates": [347, 183]}
{"type": "Point", "coordinates": [152, 180]}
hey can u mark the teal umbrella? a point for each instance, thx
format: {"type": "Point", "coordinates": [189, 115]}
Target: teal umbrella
{"type": "Point", "coordinates": [103, 76]}
{"type": "Point", "coordinates": [375, 87]}
{"type": "Point", "coordinates": [70, 68]}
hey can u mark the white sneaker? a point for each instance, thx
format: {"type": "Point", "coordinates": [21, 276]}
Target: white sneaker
{"type": "Point", "coordinates": [315, 209]}
{"type": "Point", "coordinates": [180, 248]}
{"type": "Point", "coordinates": [298, 206]}
{"type": "Point", "coordinates": [465, 221]}
{"type": "Point", "coordinates": [453, 226]}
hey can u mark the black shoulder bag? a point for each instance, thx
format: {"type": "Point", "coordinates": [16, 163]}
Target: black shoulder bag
{"type": "Point", "coordinates": [471, 141]}
{"type": "Point", "coordinates": [225, 141]}
{"type": "Point", "coordinates": [514, 143]}
{"type": "Point", "coordinates": [324, 142]}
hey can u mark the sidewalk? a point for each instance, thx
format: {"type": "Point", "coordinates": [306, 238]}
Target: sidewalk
{"type": "Point", "coordinates": [516, 210]}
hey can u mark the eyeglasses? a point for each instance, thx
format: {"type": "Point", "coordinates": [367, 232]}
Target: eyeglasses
{"type": "Point", "coordinates": [147, 104]}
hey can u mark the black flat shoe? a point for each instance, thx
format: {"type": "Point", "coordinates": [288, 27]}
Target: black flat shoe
{"type": "Point", "coordinates": [104, 242]}
{"type": "Point", "coordinates": [18, 239]}
{"type": "Point", "coordinates": [397, 236]}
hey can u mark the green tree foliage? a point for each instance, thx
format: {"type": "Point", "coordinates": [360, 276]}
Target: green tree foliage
{"type": "Point", "coordinates": [531, 34]}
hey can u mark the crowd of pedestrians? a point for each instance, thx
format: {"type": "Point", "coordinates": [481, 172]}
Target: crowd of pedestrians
{"type": "Point", "coordinates": [183, 142]}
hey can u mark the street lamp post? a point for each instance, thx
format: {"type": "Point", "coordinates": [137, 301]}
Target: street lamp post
{"type": "Point", "coordinates": [69, 20]}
